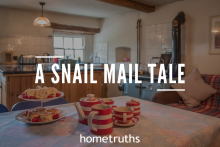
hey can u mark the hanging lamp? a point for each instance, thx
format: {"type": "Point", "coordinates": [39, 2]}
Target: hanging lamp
{"type": "Point", "coordinates": [41, 21]}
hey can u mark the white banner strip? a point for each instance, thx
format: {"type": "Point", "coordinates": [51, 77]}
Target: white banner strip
{"type": "Point", "coordinates": [170, 89]}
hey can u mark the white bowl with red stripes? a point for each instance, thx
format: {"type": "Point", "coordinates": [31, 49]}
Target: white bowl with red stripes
{"type": "Point", "coordinates": [123, 115]}
{"type": "Point", "coordinates": [135, 105]}
{"type": "Point", "coordinates": [100, 119]}
{"type": "Point", "coordinates": [108, 101]}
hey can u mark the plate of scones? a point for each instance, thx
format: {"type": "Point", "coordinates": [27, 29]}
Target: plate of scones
{"type": "Point", "coordinates": [40, 115]}
{"type": "Point", "coordinates": [41, 94]}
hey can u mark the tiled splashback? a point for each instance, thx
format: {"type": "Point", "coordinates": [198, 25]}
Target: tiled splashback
{"type": "Point", "coordinates": [21, 44]}
{"type": "Point", "coordinates": [157, 39]}
{"type": "Point", "coordinates": [100, 52]}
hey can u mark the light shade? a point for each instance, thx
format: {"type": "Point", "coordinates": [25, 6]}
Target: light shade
{"type": "Point", "coordinates": [41, 21]}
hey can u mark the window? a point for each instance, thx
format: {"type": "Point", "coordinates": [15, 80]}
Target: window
{"type": "Point", "coordinates": [70, 47]}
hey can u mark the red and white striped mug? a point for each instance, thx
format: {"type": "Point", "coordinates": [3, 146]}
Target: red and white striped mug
{"type": "Point", "coordinates": [108, 101]}
{"type": "Point", "coordinates": [100, 119]}
{"type": "Point", "coordinates": [135, 105]}
{"type": "Point", "coordinates": [123, 114]}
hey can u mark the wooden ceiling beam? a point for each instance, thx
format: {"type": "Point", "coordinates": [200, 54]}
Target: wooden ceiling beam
{"type": "Point", "coordinates": [131, 4]}
{"type": "Point", "coordinates": [76, 29]}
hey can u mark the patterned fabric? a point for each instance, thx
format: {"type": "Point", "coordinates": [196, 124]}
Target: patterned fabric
{"type": "Point", "coordinates": [158, 126]}
{"type": "Point", "coordinates": [210, 106]}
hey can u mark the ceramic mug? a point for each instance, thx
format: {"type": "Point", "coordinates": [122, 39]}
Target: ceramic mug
{"type": "Point", "coordinates": [123, 114]}
{"type": "Point", "coordinates": [108, 101]}
{"type": "Point", "coordinates": [100, 119]}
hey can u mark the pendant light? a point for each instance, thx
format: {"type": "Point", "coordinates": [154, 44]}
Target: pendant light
{"type": "Point", "coordinates": [41, 21]}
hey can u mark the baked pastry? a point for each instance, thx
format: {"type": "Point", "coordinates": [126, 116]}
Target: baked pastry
{"type": "Point", "coordinates": [46, 116]}
{"type": "Point", "coordinates": [33, 114]}
{"type": "Point", "coordinates": [38, 87]}
{"type": "Point", "coordinates": [25, 92]}
{"type": "Point", "coordinates": [39, 109]}
{"type": "Point", "coordinates": [31, 92]}
{"type": "Point", "coordinates": [41, 94]}
{"type": "Point", "coordinates": [51, 91]}
{"type": "Point", "coordinates": [42, 114]}
{"type": "Point", "coordinates": [52, 110]}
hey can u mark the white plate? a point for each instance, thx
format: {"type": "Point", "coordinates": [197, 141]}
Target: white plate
{"type": "Point", "coordinates": [22, 117]}
{"type": "Point", "coordinates": [130, 123]}
{"type": "Point", "coordinates": [42, 100]}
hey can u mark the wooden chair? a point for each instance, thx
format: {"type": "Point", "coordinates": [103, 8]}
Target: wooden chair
{"type": "Point", "coordinates": [3, 108]}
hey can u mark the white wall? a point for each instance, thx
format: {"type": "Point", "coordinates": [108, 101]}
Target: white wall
{"type": "Point", "coordinates": [20, 22]}
{"type": "Point", "coordinates": [120, 30]}
{"type": "Point", "coordinates": [18, 34]}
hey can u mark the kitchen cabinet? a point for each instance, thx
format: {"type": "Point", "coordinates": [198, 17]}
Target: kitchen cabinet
{"type": "Point", "coordinates": [7, 58]}
{"type": "Point", "coordinates": [17, 83]}
{"type": "Point", "coordinates": [148, 90]}
{"type": "Point", "coordinates": [2, 90]}
{"type": "Point", "coordinates": [132, 89]}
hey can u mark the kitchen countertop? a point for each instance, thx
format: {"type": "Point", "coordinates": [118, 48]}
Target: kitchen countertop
{"type": "Point", "coordinates": [21, 69]}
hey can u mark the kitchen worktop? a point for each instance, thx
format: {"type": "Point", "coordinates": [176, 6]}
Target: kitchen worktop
{"type": "Point", "coordinates": [23, 69]}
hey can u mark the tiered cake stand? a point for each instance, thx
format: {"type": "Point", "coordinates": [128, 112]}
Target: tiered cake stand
{"type": "Point", "coordinates": [21, 117]}
{"type": "Point", "coordinates": [42, 100]}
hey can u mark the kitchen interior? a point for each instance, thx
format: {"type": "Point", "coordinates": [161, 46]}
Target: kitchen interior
{"type": "Point", "coordinates": [121, 32]}
{"type": "Point", "coordinates": [95, 32]}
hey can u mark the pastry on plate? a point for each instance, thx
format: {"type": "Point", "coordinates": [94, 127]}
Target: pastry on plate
{"type": "Point", "coordinates": [25, 92]}
{"type": "Point", "coordinates": [33, 114]}
{"type": "Point", "coordinates": [31, 92]}
{"type": "Point", "coordinates": [46, 116]}
{"type": "Point", "coordinates": [51, 91]}
{"type": "Point", "coordinates": [38, 87]}
{"type": "Point", "coordinates": [39, 109]}
{"type": "Point", "coordinates": [41, 94]}
{"type": "Point", "coordinates": [52, 110]}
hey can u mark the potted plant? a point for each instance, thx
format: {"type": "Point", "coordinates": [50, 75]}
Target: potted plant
{"type": "Point", "coordinates": [79, 60]}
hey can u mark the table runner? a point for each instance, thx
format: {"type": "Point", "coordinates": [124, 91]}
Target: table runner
{"type": "Point", "coordinates": [159, 126]}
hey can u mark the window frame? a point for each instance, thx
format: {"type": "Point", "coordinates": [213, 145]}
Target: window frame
{"type": "Point", "coordinates": [73, 49]}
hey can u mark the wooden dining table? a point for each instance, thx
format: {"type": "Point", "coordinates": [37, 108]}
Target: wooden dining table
{"type": "Point", "coordinates": [158, 126]}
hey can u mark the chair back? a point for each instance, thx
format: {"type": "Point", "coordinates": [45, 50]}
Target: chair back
{"type": "Point", "coordinates": [3, 108]}
{"type": "Point", "coordinates": [30, 104]}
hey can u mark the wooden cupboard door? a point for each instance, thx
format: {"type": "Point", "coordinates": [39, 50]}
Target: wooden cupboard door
{"type": "Point", "coordinates": [34, 85]}
{"type": "Point", "coordinates": [97, 86]}
{"type": "Point", "coordinates": [58, 85]}
{"type": "Point", "coordinates": [82, 92]}
{"type": "Point", "coordinates": [26, 83]}
{"type": "Point", "coordinates": [65, 88]}
{"type": "Point", "coordinates": [3, 94]}
{"type": "Point", "coordinates": [14, 91]}
{"type": "Point", "coordinates": [47, 81]}
{"type": "Point", "coordinates": [73, 93]}
{"type": "Point", "coordinates": [104, 87]}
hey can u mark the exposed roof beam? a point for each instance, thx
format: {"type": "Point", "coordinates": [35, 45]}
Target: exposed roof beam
{"type": "Point", "coordinates": [76, 29]}
{"type": "Point", "coordinates": [131, 4]}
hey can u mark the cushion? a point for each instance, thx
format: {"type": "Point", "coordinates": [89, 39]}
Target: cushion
{"type": "Point", "coordinates": [196, 87]}
{"type": "Point", "coordinates": [196, 90]}
{"type": "Point", "coordinates": [188, 100]}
